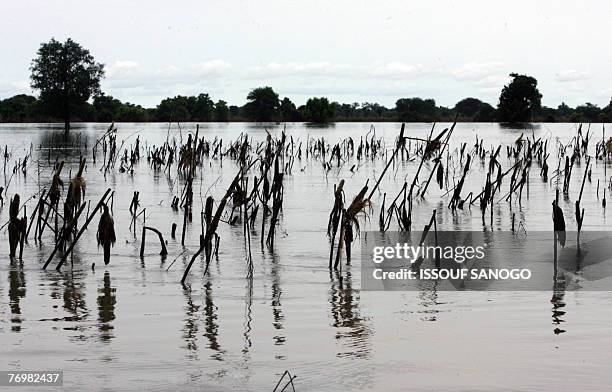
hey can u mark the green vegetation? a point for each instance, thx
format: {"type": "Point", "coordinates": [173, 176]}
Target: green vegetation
{"type": "Point", "coordinates": [68, 81]}
{"type": "Point", "coordinates": [221, 111]}
{"type": "Point", "coordinates": [319, 110]}
{"type": "Point", "coordinates": [105, 108]}
{"type": "Point", "coordinates": [416, 110]}
{"type": "Point", "coordinates": [20, 108]}
{"type": "Point", "coordinates": [519, 100]}
{"type": "Point", "coordinates": [288, 111]}
{"type": "Point", "coordinates": [181, 108]}
{"type": "Point", "coordinates": [473, 109]}
{"type": "Point", "coordinates": [262, 105]}
{"type": "Point", "coordinates": [66, 76]}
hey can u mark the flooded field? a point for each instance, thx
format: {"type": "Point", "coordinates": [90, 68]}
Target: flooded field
{"type": "Point", "coordinates": [131, 325]}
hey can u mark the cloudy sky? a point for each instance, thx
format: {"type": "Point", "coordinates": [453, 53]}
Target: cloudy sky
{"type": "Point", "coordinates": [350, 51]}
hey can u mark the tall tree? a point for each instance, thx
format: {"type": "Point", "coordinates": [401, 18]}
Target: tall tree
{"type": "Point", "coordinates": [262, 104]}
{"type": "Point", "coordinates": [66, 75]}
{"type": "Point", "coordinates": [202, 108]}
{"type": "Point", "coordinates": [288, 111]}
{"type": "Point", "coordinates": [221, 111]}
{"type": "Point", "coordinates": [519, 100]}
{"type": "Point", "coordinates": [319, 110]}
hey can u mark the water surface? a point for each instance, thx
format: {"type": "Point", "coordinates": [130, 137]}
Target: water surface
{"type": "Point", "coordinates": [132, 326]}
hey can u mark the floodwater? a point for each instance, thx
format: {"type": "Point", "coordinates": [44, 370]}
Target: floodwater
{"type": "Point", "coordinates": [131, 325]}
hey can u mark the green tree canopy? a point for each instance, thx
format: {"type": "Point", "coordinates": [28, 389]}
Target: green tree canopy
{"type": "Point", "coordinates": [19, 108]}
{"type": "Point", "coordinates": [262, 104]}
{"type": "Point", "coordinates": [519, 100]}
{"type": "Point", "coordinates": [547, 114]}
{"type": "Point", "coordinates": [372, 110]}
{"type": "Point", "coordinates": [109, 109]}
{"type": "Point", "coordinates": [415, 109]}
{"type": "Point", "coordinates": [288, 111]}
{"type": "Point", "coordinates": [586, 113]}
{"type": "Point", "coordinates": [348, 111]}
{"type": "Point", "coordinates": [201, 107]}
{"type": "Point", "coordinates": [173, 109]}
{"type": "Point", "coordinates": [221, 111]}
{"type": "Point", "coordinates": [234, 111]}
{"type": "Point", "coordinates": [184, 109]}
{"type": "Point", "coordinates": [606, 113]}
{"type": "Point", "coordinates": [473, 109]}
{"type": "Point", "coordinates": [319, 110]}
{"type": "Point", "coordinates": [564, 112]}
{"type": "Point", "coordinates": [106, 108]}
{"type": "Point", "coordinates": [66, 76]}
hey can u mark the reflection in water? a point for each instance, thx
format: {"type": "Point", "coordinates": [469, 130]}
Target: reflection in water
{"type": "Point", "coordinates": [428, 299]}
{"type": "Point", "coordinates": [57, 145]}
{"type": "Point", "coordinates": [190, 331]}
{"type": "Point", "coordinates": [17, 291]}
{"type": "Point", "coordinates": [106, 308]}
{"type": "Point", "coordinates": [277, 311]}
{"type": "Point", "coordinates": [559, 284]}
{"type": "Point", "coordinates": [192, 323]}
{"type": "Point", "coordinates": [74, 302]}
{"type": "Point", "coordinates": [352, 329]}
{"type": "Point", "coordinates": [58, 139]}
{"type": "Point", "coordinates": [212, 328]}
{"type": "Point", "coordinates": [346, 320]}
{"type": "Point", "coordinates": [248, 315]}
{"type": "Point", "coordinates": [74, 296]}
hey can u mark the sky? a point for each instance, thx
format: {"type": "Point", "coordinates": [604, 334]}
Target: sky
{"type": "Point", "coordinates": [350, 51]}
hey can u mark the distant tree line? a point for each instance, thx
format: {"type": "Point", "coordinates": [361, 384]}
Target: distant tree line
{"type": "Point", "coordinates": [67, 80]}
{"type": "Point", "coordinates": [201, 108]}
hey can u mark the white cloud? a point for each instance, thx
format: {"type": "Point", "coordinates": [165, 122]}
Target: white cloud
{"type": "Point", "coordinates": [212, 67]}
{"type": "Point", "coordinates": [10, 88]}
{"type": "Point", "coordinates": [475, 71]}
{"type": "Point", "coordinates": [395, 69]}
{"type": "Point", "coordinates": [571, 75]}
{"type": "Point", "coordinates": [128, 69]}
{"type": "Point", "coordinates": [167, 70]}
{"type": "Point", "coordinates": [129, 74]}
{"type": "Point", "coordinates": [274, 69]}
{"type": "Point", "coordinates": [122, 68]}
{"type": "Point", "coordinates": [493, 81]}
